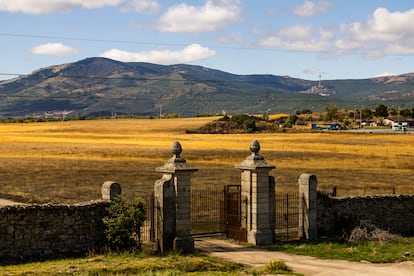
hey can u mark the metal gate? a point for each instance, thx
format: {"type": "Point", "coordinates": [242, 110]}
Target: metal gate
{"type": "Point", "coordinates": [206, 210]}
{"type": "Point", "coordinates": [232, 213]}
{"type": "Point", "coordinates": [287, 216]}
{"type": "Point", "coordinates": [215, 210]}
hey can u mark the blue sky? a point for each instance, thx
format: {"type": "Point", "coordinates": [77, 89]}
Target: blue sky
{"type": "Point", "coordinates": [303, 39]}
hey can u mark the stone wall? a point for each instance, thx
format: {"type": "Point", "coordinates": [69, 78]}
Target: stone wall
{"type": "Point", "coordinates": [36, 232]}
{"type": "Point", "coordinates": [337, 216]}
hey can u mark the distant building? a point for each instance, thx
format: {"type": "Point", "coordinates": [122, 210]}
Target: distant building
{"type": "Point", "coordinates": [387, 122]}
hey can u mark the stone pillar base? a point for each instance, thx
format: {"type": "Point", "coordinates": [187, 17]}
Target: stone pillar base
{"type": "Point", "coordinates": [184, 244]}
{"type": "Point", "coordinates": [258, 237]}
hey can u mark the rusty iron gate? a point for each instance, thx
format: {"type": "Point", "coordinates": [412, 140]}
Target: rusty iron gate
{"type": "Point", "coordinates": [218, 210]}
{"type": "Point", "coordinates": [232, 214]}
{"type": "Point", "coordinates": [287, 216]}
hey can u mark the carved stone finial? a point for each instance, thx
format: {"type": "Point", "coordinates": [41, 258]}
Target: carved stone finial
{"type": "Point", "coordinates": [255, 147]}
{"type": "Point", "coordinates": [176, 149]}
{"type": "Point", "coordinates": [254, 160]}
{"type": "Point", "coordinates": [176, 163]}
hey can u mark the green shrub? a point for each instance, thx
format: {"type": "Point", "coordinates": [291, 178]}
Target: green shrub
{"type": "Point", "coordinates": [123, 224]}
{"type": "Point", "coordinates": [277, 267]}
{"type": "Point", "coordinates": [249, 122]}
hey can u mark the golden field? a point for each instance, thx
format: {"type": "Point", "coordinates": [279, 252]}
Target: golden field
{"type": "Point", "coordinates": [68, 161]}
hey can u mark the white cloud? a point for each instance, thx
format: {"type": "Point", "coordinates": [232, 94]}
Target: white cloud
{"type": "Point", "coordinates": [296, 32]}
{"type": "Point", "coordinates": [311, 71]}
{"type": "Point", "coordinates": [141, 6]}
{"type": "Point", "coordinates": [295, 38]}
{"type": "Point", "coordinates": [192, 19]}
{"type": "Point", "coordinates": [53, 49]}
{"type": "Point", "coordinates": [382, 34]}
{"type": "Point", "coordinates": [402, 48]}
{"type": "Point", "coordinates": [310, 8]}
{"type": "Point", "coordinates": [49, 6]}
{"type": "Point", "coordinates": [232, 38]}
{"type": "Point", "coordinates": [190, 53]}
{"type": "Point", "coordinates": [297, 45]}
{"type": "Point", "coordinates": [326, 32]}
{"type": "Point", "coordinates": [384, 26]}
{"type": "Point", "coordinates": [346, 44]}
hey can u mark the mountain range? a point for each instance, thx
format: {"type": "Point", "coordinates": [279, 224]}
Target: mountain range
{"type": "Point", "coordinates": [103, 87]}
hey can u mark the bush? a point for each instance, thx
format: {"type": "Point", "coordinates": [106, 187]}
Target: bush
{"type": "Point", "coordinates": [249, 122]}
{"type": "Point", "coordinates": [123, 224]}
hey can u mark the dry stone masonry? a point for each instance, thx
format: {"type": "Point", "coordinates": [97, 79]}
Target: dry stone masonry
{"type": "Point", "coordinates": [393, 213]}
{"type": "Point", "coordinates": [49, 231]}
{"type": "Point", "coordinates": [33, 232]}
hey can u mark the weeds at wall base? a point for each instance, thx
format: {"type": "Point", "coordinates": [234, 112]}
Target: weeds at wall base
{"type": "Point", "coordinates": [398, 250]}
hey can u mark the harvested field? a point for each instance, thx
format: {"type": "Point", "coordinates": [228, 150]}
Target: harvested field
{"type": "Point", "coordinates": [68, 161]}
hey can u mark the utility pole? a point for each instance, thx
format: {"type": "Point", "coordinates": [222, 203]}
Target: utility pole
{"type": "Point", "coordinates": [160, 109]}
{"type": "Point", "coordinates": [398, 115]}
{"type": "Point", "coordinates": [354, 117]}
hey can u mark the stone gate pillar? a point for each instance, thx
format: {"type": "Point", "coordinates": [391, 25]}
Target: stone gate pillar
{"type": "Point", "coordinates": [173, 204]}
{"type": "Point", "coordinates": [308, 225]}
{"type": "Point", "coordinates": [258, 188]}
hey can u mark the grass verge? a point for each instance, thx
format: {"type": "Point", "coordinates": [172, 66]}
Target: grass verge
{"type": "Point", "coordinates": [129, 264]}
{"type": "Point", "coordinates": [398, 250]}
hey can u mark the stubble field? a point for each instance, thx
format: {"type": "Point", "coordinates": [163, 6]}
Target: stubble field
{"type": "Point", "coordinates": [69, 161]}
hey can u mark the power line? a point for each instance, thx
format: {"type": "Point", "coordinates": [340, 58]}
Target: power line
{"type": "Point", "coordinates": [123, 41]}
{"type": "Point", "coordinates": [85, 39]}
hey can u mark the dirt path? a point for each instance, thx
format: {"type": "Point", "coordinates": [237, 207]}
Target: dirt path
{"type": "Point", "coordinates": [305, 265]}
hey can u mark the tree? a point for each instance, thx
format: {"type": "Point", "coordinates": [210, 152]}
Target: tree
{"type": "Point", "coordinates": [123, 223]}
{"type": "Point", "coordinates": [331, 112]}
{"type": "Point", "coordinates": [393, 111]}
{"type": "Point", "coordinates": [381, 111]}
{"type": "Point", "coordinates": [305, 111]}
{"type": "Point", "coordinates": [366, 113]}
{"type": "Point", "coordinates": [405, 112]}
{"type": "Point", "coordinates": [291, 120]}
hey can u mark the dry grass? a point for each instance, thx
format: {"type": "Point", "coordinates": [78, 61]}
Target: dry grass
{"type": "Point", "coordinates": [369, 232]}
{"type": "Point", "coordinates": [68, 161]}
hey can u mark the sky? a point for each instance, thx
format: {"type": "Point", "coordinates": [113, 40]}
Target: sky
{"type": "Point", "coordinates": [327, 39]}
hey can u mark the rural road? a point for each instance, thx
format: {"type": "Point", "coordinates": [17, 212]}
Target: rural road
{"type": "Point", "coordinates": [257, 257]}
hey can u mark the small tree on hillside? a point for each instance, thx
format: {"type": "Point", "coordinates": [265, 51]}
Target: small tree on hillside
{"type": "Point", "coordinates": [367, 113]}
{"type": "Point", "coordinates": [406, 112]}
{"type": "Point", "coordinates": [381, 111]}
{"type": "Point", "coordinates": [331, 112]}
{"type": "Point", "coordinates": [291, 120]}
